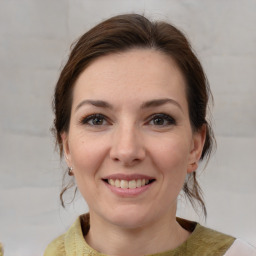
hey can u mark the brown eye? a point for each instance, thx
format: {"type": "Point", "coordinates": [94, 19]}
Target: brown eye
{"type": "Point", "coordinates": [158, 121]}
{"type": "Point", "coordinates": [162, 120]}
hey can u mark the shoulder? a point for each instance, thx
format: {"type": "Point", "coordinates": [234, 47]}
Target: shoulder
{"type": "Point", "coordinates": [204, 241]}
{"type": "Point", "coordinates": [56, 247]}
{"type": "Point", "coordinates": [240, 247]}
{"type": "Point", "coordinates": [72, 241]}
{"type": "Point", "coordinates": [210, 242]}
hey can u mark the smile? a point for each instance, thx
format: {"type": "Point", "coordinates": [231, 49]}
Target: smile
{"type": "Point", "coordinates": [128, 185]}
{"type": "Point", "coordinates": [131, 184]}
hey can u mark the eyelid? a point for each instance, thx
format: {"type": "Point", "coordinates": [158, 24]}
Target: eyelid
{"type": "Point", "coordinates": [165, 116]}
{"type": "Point", "coordinates": [85, 119]}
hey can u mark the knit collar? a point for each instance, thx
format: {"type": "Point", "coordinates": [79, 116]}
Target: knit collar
{"type": "Point", "coordinates": [200, 239]}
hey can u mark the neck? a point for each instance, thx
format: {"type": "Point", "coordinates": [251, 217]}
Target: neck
{"type": "Point", "coordinates": [163, 235]}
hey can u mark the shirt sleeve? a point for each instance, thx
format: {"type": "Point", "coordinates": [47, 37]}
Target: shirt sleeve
{"type": "Point", "coordinates": [241, 248]}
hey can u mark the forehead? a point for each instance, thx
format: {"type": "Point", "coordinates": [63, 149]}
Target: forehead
{"type": "Point", "coordinates": [146, 73]}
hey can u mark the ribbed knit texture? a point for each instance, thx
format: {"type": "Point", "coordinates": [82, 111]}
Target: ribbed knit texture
{"type": "Point", "coordinates": [202, 242]}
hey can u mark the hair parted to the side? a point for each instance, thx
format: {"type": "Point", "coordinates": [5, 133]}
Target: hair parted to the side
{"type": "Point", "coordinates": [129, 31]}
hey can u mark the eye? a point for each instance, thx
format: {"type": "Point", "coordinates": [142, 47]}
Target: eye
{"type": "Point", "coordinates": [94, 120]}
{"type": "Point", "coordinates": [162, 120]}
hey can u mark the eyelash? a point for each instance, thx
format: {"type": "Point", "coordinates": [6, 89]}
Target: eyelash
{"type": "Point", "coordinates": [167, 119]}
{"type": "Point", "coordinates": [164, 117]}
{"type": "Point", "coordinates": [93, 117]}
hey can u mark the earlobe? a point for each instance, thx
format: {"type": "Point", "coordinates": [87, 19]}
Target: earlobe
{"type": "Point", "coordinates": [192, 167]}
{"type": "Point", "coordinates": [66, 150]}
{"type": "Point", "coordinates": [197, 148]}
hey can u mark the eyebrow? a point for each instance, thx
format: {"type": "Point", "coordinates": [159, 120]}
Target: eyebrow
{"type": "Point", "coordinates": [96, 103]}
{"type": "Point", "coordinates": [147, 104]}
{"type": "Point", "coordinates": [160, 102]}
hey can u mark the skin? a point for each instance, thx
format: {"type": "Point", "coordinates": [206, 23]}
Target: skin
{"type": "Point", "coordinates": [129, 140]}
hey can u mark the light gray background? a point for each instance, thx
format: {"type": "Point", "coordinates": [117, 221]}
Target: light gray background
{"type": "Point", "coordinates": [34, 41]}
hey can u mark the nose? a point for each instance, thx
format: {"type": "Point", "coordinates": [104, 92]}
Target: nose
{"type": "Point", "coordinates": [127, 146]}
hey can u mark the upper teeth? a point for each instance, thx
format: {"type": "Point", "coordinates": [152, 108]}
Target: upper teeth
{"type": "Point", "coordinates": [128, 184]}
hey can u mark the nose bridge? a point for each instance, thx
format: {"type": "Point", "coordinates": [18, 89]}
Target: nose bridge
{"type": "Point", "coordinates": [127, 145]}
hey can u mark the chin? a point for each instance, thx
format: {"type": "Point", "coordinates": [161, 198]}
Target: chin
{"type": "Point", "coordinates": [131, 218]}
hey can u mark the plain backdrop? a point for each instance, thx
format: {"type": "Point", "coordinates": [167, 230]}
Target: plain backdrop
{"type": "Point", "coordinates": [35, 37]}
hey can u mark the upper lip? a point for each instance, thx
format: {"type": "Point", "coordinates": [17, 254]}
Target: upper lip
{"type": "Point", "coordinates": [128, 177]}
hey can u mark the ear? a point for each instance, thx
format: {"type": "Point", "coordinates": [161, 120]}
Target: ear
{"type": "Point", "coordinates": [197, 146]}
{"type": "Point", "coordinates": [65, 143]}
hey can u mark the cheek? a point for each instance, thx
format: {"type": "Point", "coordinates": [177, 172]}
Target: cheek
{"type": "Point", "coordinates": [171, 154]}
{"type": "Point", "coordinates": [87, 157]}
{"type": "Point", "coordinates": [86, 153]}
{"type": "Point", "coordinates": [171, 159]}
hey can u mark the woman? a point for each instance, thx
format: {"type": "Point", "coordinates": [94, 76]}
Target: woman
{"type": "Point", "coordinates": [130, 119]}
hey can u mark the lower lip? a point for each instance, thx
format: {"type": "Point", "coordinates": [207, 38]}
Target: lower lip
{"type": "Point", "coordinates": [128, 192]}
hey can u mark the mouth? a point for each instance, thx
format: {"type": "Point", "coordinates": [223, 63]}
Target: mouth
{"type": "Point", "coordinates": [128, 184]}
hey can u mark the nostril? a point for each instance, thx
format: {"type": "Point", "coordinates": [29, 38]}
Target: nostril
{"type": "Point", "coordinates": [127, 154]}
{"type": "Point", "coordinates": [116, 159]}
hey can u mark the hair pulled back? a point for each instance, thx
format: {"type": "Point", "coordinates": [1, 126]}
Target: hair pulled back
{"type": "Point", "coordinates": [129, 31]}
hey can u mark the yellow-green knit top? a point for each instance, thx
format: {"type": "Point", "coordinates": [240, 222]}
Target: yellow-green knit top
{"type": "Point", "coordinates": [1, 250]}
{"type": "Point", "coordinates": [202, 241]}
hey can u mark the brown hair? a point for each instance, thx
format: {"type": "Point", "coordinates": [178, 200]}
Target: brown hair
{"type": "Point", "coordinates": [124, 32]}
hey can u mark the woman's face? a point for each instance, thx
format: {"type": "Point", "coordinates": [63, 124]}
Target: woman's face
{"type": "Point", "coordinates": [130, 141]}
